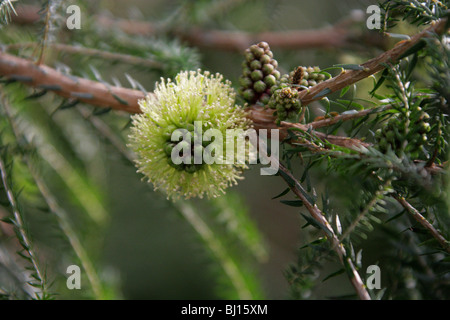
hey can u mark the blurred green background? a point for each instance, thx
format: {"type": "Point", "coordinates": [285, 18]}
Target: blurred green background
{"type": "Point", "coordinates": [145, 249]}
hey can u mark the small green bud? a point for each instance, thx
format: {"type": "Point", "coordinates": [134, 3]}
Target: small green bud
{"type": "Point", "coordinates": [259, 86]}
{"type": "Point", "coordinates": [425, 127]}
{"type": "Point", "coordinates": [276, 74]}
{"type": "Point", "coordinates": [249, 56]}
{"type": "Point", "coordinates": [265, 98]}
{"type": "Point", "coordinates": [245, 82]}
{"type": "Point", "coordinates": [255, 65]}
{"type": "Point", "coordinates": [270, 80]}
{"type": "Point", "coordinates": [265, 59]}
{"type": "Point", "coordinates": [272, 104]}
{"type": "Point", "coordinates": [257, 75]}
{"type": "Point", "coordinates": [282, 114]}
{"type": "Point", "coordinates": [378, 133]}
{"type": "Point", "coordinates": [249, 95]}
{"type": "Point", "coordinates": [257, 51]}
{"type": "Point", "coordinates": [274, 63]}
{"type": "Point", "coordinates": [268, 69]}
{"type": "Point", "coordinates": [264, 45]}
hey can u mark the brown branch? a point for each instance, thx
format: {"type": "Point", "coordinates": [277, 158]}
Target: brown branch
{"type": "Point", "coordinates": [123, 58]}
{"type": "Point", "coordinates": [102, 95]}
{"type": "Point", "coordinates": [345, 142]}
{"type": "Point", "coordinates": [424, 222]}
{"type": "Point", "coordinates": [331, 37]}
{"type": "Point", "coordinates": [348, 77]}
{"type": "Point", "coordinates": [264, 119]}
{"type": "Point", "coordinates": [91, 92]}
{"type": "Point", "coordinates": [319, 217]}
{"type": "Point", "coordinates": [345, 117]}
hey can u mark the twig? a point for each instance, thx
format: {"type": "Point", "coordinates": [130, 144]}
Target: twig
{"type": "Point", "coordinates": [424, 222]}
{"type": "Point", "coordinates": [61, 215]}
{"type": "Point", "coordinates": [102, 95]}
{"type": "Point", "coordinates": [319, 217]}
{"type": "Point", "coordinates": [336, 36]}
{"type": "Point", "coordinates": [350, 143]}
{"type": "Point", "coordinates": [20, 227]}
{"type": "Point", "coordinates": [216, 247]}
{"type": "Point", "coordinates": [367, 208]}
{"type": "Point", "coordinates": [344, 117]}
{"type": "Point", "coordinates": [45, 36]}
{"type": "Point", "coordinates": [120, 57]}
{"type": "Point", "coordinates": [264, 119]}
{"type": "Point", "coordinates": [348, 77]}
{"type": "Point", "coordinates": [89, 91]}
{"type": "Point", "coordinates": [107, 133]}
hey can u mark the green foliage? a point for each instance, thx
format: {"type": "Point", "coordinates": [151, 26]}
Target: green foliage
{"type": "Point", "coordinates": [57, 156]}
{"type": "Point", "coordinates": [6, 10]}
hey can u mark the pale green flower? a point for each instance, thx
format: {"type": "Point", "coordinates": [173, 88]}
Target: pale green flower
{"type": "Point", "coordinates": [192, 97]}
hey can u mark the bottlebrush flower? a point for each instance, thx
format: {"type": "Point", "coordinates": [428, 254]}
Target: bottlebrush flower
{"type": "Point", "coordinates": [193, 99]}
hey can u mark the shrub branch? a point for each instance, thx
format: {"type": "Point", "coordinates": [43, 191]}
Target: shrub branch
{"type": "Point", "coordinates": [338, 35]}
{"type": "Point", "coordinates": [424, 222]}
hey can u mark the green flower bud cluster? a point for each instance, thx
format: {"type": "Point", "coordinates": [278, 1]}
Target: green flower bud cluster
{"type": "Point", "coordinates": [285, 101]}
{"type": "Point", "coordinates": [284, 95]}
{"type": "Point", "coordinates": [195, 144]}
{"type": "Point", "coordinates": [395, 136]}
{"type": "Point", "coordinates": [306, 77]}
{"type": "Point", "coordinates": [259, 74]}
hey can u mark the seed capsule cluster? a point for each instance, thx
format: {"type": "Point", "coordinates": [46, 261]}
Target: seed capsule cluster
{"type": "Point", "coordinates": [394, 134]}
{"type": "Point", "coordinates": [259, 75]}
{"type": "Point", "coordinates": [188, 139]}
{"type": "Point", "coordinates": [306, 77]}
{"type": "Point", "coordinates": [284, 95]}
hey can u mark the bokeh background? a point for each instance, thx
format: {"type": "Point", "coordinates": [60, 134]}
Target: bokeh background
{"type": "Point", "coordinates": [145, 250]}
